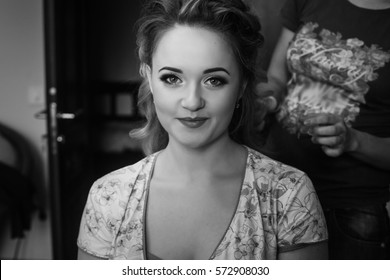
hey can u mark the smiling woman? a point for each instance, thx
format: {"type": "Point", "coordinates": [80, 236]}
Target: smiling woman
{"type": "Point", "coordinates": [202, 192]}
{"type": "Point", "coordinates": [195, 80]}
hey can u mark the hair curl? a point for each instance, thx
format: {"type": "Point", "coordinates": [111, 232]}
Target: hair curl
{"type": "Point", "coordinates": [230, 18]}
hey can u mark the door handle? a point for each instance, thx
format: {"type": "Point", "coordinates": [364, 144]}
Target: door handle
{"type": "Point", "coordinates": [69, 116]}
{"type": "Point", "coordinates": [42, 115]}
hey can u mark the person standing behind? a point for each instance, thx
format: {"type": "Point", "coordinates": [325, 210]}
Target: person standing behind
{"type": "Point", "coordinates": [200, 194]}
{"type": "Point", "coordinates": [329, 88]}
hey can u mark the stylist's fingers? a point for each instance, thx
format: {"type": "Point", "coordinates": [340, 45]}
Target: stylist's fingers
{"type": "Point", "coordinates": [266, 97]}
{"type": "Point", "coordinates": [331, 132]}
{"type": "Point", "coordinates": [269, 102]}
{"type": "Point", "coordinates": [264, 106]}
{"type": "Point", "coordinates": [332, 144]}
{"type": "Point", "coordinates": [325, 129]}
{"type": "Point", "coordinates": [313, 120]}
{"type": "Point", "coordinates": [336, 129]}
{"type": "Point", "coordinates": [331, 141]}
{"type": "Point", "coordinates": [333, 151]}
{"type": "Point", "coordinates": [348, 143]}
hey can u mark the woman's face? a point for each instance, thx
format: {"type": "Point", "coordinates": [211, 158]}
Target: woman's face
{"type": "Point", "coordinates": [195, 81]}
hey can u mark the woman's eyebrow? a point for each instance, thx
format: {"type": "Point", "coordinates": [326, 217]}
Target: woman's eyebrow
{"type": "Point", "coordinates": [171, 69]}
{"type": "Point", "coordinates": [216, 69]}
{"type": "Point", "coordinates": [207, 71]}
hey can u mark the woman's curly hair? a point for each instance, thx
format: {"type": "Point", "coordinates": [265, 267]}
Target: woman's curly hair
{"type": "Point", "coordinates": [232, 19]}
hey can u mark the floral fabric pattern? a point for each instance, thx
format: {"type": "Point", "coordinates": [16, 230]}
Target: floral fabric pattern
{"type": "Point", "coordinates": [278, 210]}
{"type": "Point", "coordinates": [329, 75]}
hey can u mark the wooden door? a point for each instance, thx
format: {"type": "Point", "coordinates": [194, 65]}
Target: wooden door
{"type": "Point", "coordinates": [67, 120]}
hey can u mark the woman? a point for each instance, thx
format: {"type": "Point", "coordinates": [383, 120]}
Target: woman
{"type": "Point", "coordinates": [200, 194]}
{"type": "Point", "coordinates": [333, 60]}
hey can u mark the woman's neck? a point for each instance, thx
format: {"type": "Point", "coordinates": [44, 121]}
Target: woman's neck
{"type": "Point", "coordinates": [213, 159]}
{"type": "Point", "coordinates": [371, 4]}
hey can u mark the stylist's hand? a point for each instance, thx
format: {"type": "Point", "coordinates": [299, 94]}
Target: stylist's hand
{"type": "Point", "coordinates": [332, 133]}
{"type": "Point", "coordinates": [266, 104]}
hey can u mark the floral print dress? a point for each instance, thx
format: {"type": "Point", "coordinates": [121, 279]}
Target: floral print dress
{"type": "Point", "coordinates": [278, 210]}
{"type": "Point", "coordinates": [329, 75]}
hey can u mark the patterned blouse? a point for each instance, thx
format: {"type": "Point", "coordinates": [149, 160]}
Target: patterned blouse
{"type": "Point", "coordinates": [278, 210]}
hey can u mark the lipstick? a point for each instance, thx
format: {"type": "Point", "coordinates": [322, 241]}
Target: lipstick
{"type": "Point", "coordinates": [192, 122]}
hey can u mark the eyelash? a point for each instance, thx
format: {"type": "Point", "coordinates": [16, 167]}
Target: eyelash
{"type": "Point", "coordinates": [220, 81]}
{"type": "Point", "coordinates": [167, 79]}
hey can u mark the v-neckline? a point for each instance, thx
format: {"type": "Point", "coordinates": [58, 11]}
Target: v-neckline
{"type": "Point", "coordinates": [145, 204]}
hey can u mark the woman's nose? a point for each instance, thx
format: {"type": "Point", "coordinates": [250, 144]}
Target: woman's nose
{"type": "Point", "coordinates": [193, 99]}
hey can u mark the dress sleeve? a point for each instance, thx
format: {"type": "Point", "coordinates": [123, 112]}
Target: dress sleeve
{"type": "Point", "coordinates": [101, 218]}
{"type": "Point", "coordinates": [301, 220]}
{"type": "Point", "coordinates": [291, 14]}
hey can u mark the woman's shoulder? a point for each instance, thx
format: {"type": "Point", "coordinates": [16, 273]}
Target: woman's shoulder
{"type": "Point", "coordinates": [125, 178]}
{"type": "Point", "coordinates": [262, 165]}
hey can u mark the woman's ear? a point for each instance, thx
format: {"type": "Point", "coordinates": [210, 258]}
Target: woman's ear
{"type": "Point", "coordinates": [148, 71]}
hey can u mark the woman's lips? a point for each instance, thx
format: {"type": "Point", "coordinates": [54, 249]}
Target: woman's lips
{"type": "Point", "coordinates": [192, 122]}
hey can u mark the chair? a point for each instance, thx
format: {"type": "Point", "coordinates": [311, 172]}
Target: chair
{"type": "Point", "coordinates": [17, 191]}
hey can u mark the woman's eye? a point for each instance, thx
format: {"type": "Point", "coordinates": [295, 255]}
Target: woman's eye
{"type": "Point", "coordinates": [215, 82]}
{"type": "Point", "coordinates": [170, 79]}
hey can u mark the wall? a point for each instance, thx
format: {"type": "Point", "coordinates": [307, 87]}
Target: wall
{"type": "Point", "coordinates": [111, 36]}
{"type": "Point", "coordinates": [21, 96]}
